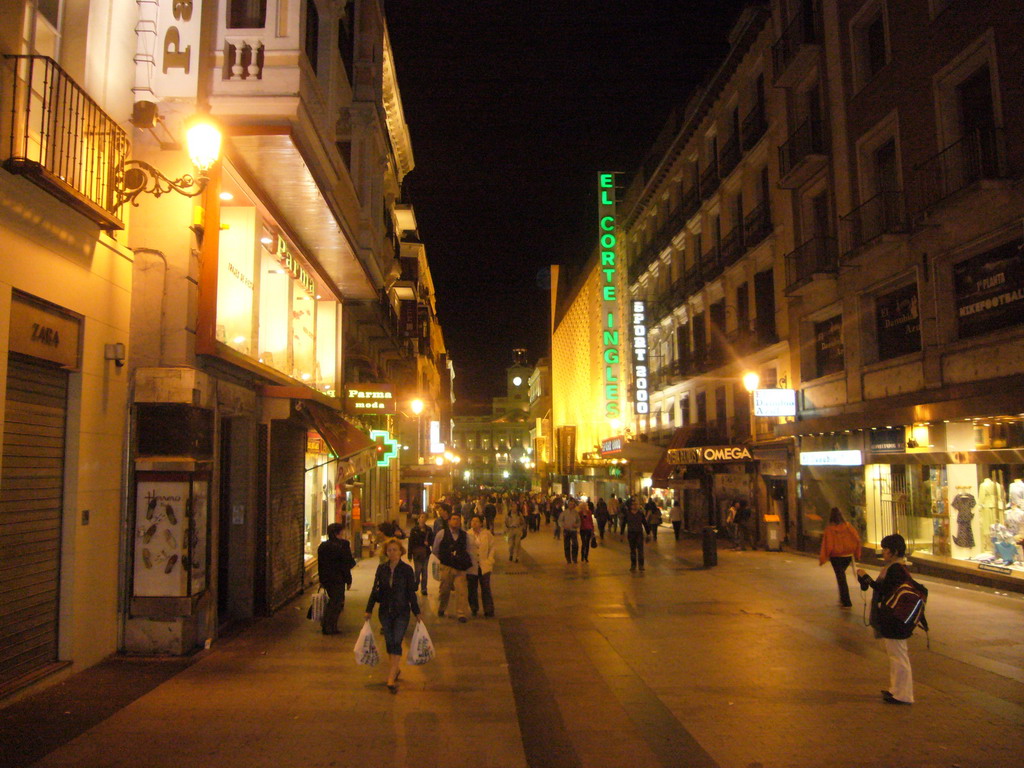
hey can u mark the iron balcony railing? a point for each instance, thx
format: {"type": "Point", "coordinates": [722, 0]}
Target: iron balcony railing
{"type": "Point", "coordinates": [757, 224]}
{"type": "Point", "coordinates": [732, 246]}
{"type": "Point", "coordinates": [981, 154]}
{"type": "Point", "coordinates": [711, 264]}
{"type": "Point", "coordinates": [62, 140]}
{"type": "Point", "coordinates": [807, 139]}
{"type": "Point", "coordinates": [709, 180]}
{"type": "Point", "coordinates": [730, 156]}
{"type": "Point", "coordinates": [883, 214]}
{"type": "Point", "coordinates": [815, 257]}
{"type": "Point", "coordinates": [754, 127]}
{"type": "Point", "coordinates": [689, 204]}
{"type": "Point", "coordinates": [801, 31]}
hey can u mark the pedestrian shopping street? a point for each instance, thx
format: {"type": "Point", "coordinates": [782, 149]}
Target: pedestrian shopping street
{"type": "Point", "coordinates": [750, 663]}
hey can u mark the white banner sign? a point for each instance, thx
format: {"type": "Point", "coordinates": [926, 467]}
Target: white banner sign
{"type": "Point", "coordinates": [831, 458]}
{"type": "Point", "coordinates": [775, 402]}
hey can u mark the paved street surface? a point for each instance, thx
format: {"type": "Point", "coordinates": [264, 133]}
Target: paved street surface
{"type": "Point", "coordinates": [751, 664]}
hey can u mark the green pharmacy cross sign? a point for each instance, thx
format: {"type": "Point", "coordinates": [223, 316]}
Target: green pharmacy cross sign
{"type": "Point", "coordinates": [387, 446]}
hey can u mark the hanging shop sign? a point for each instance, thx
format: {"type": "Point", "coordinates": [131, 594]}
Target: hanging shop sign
{"type": "Point", "coordinates": [609, 298]}
{"type": "Point", "coordinates": [709, 454]}
{"type": "Point", "coordinates": [775, 402]}
{"type": "Point", "coordinates": [565, 445]}
{"type": "Point", "coordinates": [831, 458]}
{"type": "Point", "coordinates": [640, 395]}
{"type": "Point", "coordinates": [898, 321]}
{"type": "Point", "coordinates": [888, 440]}
{"type": "Point", "coordinates": [611, 445]}
{"type": "Point", "coordinates": [369, 398]}
{"type": "Point", "coordinates": [990, 290]}
{"type": "Point", "coordinates": [436, 446]}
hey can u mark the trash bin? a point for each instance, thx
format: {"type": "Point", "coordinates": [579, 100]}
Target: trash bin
{"type": "Point", "coordinates": [709, 542]}
{"type": "Point", "coordinates": [772, 533]}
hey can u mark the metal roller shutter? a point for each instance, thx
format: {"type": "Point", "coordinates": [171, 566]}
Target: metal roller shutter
{"type": "Point", "coordinates": [31, 499]}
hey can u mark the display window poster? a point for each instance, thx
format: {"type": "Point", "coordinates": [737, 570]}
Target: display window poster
{"type": "Point", "coordinates": [989, 290]}
{"type": "Point", "coordinates": [170, 535]}
{"type": "Point", "coordinates": [828, 346]}
{"type": "Point", "coordinates": [898, 321]}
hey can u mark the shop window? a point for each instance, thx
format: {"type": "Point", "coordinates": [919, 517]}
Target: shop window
{"type": "Point", "coordinates": [275, 313]}
{"type": "Point", "coordinates": [236, 279]}
{"type": "Point", "coordinates": [898, 322]}
{"type": "Point", "coordinates": [828, 346]}
{"type": "Point", "coordinates": [326, 379]}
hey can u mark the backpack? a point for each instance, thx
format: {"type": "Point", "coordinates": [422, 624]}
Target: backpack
{"type": "Point", "coordinates": [903, 610]}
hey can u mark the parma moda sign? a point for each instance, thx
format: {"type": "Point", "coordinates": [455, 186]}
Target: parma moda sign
{"type": "Point", "coordinates": [369, 398]}
{"type": "Point", "coordinates": [609, 298]}
{"type": "Point", "coordinates": [709, 454]}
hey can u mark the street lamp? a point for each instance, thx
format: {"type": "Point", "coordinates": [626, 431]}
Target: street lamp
{"type": "Point", "coordinates": [416, 406]}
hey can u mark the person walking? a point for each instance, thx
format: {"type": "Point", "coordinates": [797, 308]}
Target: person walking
{"type": "Point", "coordinates": [334, 563]}
{"type": "Point", "coordinates": [481, 551]}
{"type": "Point", "coordinates": [635, 533]}
{"type": "Point", "coordinates": [514, 525]}
{"type": "Point", "coordinates": [444, 511]}
{"type": "Point", "coordinates": [653, 517]}
{"type": "Point", "coordinates": [556, 513]}
{"type": "Point", "coordinates": [742, 520]}
{"type": "Point", "coordinates": [569, 522]}
{"type": "Point", "coordinates": [623, 505]}
{"type": "Point", "coordinates": [731, 524]}
{"type": "Point", "coordinates": [601, 515]}
{"type": "Point", "coordinates": [419, 550]}
{"type": "Point", "coordinates": [586, 530]}
{"type": "Point", "coordinates": [490, 512]}
{"type": "Point", "coordinates": [840, 545]}
{"type": "Point", "coordinates": [452, 548]}
{"type": "Point", "coordinates": [893, 634]}
{"type": "Point", "coordinates": [675, 516]}
{"type": "Point", "coordinates": [394, 589]}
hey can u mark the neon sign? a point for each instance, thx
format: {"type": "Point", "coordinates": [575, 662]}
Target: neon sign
{"type": "Point", "coordinates": [387, 446]}
{"type": "Point", "coordinates": [640, 401]}
{"type": "Point", "coordinates": [609, 298]}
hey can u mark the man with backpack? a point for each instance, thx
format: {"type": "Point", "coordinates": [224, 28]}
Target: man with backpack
{"type": "Point", "coordinates": [897, 607]}
{"type": "Point", "coordinates": [452, 548]}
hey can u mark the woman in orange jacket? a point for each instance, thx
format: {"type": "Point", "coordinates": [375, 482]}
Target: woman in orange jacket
{"type": "Point", "coordinates": [840, 544]}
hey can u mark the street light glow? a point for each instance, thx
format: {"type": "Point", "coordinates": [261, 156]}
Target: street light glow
{"type": "Point", "coordinates": [751, 381]}
{"type": "Point", "coordinates": [416, 406]}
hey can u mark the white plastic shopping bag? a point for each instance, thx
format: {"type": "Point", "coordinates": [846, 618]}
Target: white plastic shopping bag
{"type": "Point", "coordinates": [421, 649]}
{"type": "Point", "coordinates": [316, 607]}
{"type": "Point", "coordinates": [366, 647]}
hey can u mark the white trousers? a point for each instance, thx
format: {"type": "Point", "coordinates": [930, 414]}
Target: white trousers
{"type": "Point", "coordinates": [901, 679]}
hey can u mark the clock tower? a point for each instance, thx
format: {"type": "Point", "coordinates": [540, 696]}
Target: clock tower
{"type": "Point", "coordinates": [517, 377]}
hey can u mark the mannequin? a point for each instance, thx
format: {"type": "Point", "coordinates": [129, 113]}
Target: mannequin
{"type": "Point", "coordinates": [1015, 512]}
{"type": "Point", "coordinates": [990, 495]}
{"type": "Point", "coordinates": [1016, 493]}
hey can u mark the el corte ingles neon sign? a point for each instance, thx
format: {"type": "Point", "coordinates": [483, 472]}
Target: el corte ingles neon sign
{"type": "Point", "coordinates": [609, 294]}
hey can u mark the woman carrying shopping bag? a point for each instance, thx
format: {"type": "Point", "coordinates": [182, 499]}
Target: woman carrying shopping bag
{"type": "Point", "coordinates": [394, 588]}
{"type": "Point", "coordinates": [840, 544]}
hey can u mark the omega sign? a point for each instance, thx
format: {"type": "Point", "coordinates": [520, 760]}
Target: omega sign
{"type": "Point", "coordinates": [709, 454]}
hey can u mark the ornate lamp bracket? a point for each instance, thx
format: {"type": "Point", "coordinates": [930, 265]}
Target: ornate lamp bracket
{"type": "Point", "coordinates": [138, 177]}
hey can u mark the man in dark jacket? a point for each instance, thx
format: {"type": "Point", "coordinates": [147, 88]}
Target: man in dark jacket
{"type": "Point", "coordinates": [635, 525]}
{"type": "Point", "coordinates": [334, 564]}
{"type": "Point", "coordinates": [452, 548]}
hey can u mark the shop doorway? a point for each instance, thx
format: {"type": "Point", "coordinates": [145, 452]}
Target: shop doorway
{"type": "Point", "coordinates": [224, 526]}
{"type": "Point", "coordinates": [778, 503]}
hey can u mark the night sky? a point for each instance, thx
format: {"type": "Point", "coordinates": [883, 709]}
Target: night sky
{"type": "Point", "coordinates": [514, 107]}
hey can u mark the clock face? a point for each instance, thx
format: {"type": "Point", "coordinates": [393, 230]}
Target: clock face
{"type": "Point", "coordinates": [517, 380]}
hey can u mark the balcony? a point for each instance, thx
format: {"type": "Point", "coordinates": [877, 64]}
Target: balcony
{"type": "Point", "coordinates": [796, 49]}
{"type": "Point", "coordinates": [709, 180]}
{"type": "Point", "coordinates": [711, 264]}
{"type": "Point", "coordinates": [814, 260]}
{"type": "Point", "coordinates": [884, 214]}
{"type": "Point", "coordinates": [732, 246]}
{"type": "Point", "coordinates": [978, 156]}
{"type": "Point", "coordinates": [730, 156]}
{"type": "Point", "coordinates": [690, 202]}
{"type": "Point", "coordinates": [61, 140]}
{"type": "Point", "coordinates": [755, 125]}
{"type": "Point", "coordinates": [693, 280]}
{"type": "Point", "coordinates": [803, 154]}
{"type": "Point", "coordinates": [757, 225]}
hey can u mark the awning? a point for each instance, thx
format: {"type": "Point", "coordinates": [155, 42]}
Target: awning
{"type": "Point", "coordinates": [680, 439]}
{"type": "Point", "coordinates": [344, 439]}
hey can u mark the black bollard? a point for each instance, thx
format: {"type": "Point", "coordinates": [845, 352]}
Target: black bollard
{"type": "Point", "coordinates": [710, 545]}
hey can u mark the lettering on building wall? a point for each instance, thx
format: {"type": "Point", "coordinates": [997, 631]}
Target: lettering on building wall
{"type": "Point", "coordinates": [294, 268]}
{"type": "Point", "coordinates": [608, 269]}
{"type": "Point", "coordinates": [709, 454]}
{"type": "Point", "coordinates": [640, 367]}
{"type": "Point", "coordinates": [44, 335]}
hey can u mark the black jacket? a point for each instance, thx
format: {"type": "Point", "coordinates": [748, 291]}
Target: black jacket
{"type": "Point", "coordinates": [419, 541]}
{"type": "Point", "coordinates": [334, 562]}
{"type": "Point", "coordinates": [895, 575]}
{"type": "Point", "coordinates": [397, 596]}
